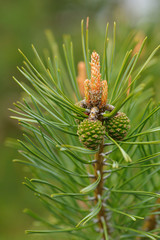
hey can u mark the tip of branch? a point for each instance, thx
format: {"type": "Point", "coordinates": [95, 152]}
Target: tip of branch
{"type": "Point", "coordinates": [87, 23]}
{"type": "Point", "coordinates": [19, 50]}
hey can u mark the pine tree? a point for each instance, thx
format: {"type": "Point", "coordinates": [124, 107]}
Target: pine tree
{"type": "Point", "coordinates": [92, 184]}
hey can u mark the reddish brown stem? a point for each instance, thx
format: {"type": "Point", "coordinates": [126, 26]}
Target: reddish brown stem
{"type": "Point", "coordinates": [99, 190]}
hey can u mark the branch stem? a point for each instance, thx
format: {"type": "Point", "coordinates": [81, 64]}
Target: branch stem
{"type": "Point", "coordinates": [98, 166]}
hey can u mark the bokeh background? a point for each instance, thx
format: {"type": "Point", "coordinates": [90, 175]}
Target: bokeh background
{"type": "Point", "coordinates": [23, 23]}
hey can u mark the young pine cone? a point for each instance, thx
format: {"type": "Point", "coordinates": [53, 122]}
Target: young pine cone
{"type": "Point", "coordinates": [118, 126]}
{"type": "Point", "coordinates": [91, 133]}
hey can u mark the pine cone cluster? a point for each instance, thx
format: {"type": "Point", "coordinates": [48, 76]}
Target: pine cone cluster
{"type": "Point", "coordinates": [91, 131]}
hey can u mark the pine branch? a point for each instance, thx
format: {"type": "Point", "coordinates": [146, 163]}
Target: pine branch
{"type": "Point", "coordinates": [89, 169]}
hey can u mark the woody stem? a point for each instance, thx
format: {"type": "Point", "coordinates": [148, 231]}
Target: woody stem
{"type": "Point", "coordinates": [98, 167]}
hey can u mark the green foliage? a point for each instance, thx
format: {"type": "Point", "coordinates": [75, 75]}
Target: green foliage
{"type": "Point", "coordinates": [63, 169]}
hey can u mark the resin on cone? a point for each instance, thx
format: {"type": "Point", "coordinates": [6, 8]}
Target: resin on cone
{"type": "Point", "coordinates": [118, 126]}
{"type": "Point", "coordinates": [91, 133]}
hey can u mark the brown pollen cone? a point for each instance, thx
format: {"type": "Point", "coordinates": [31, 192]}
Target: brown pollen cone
{"type": "Point", "coordinates": [82, 75]}
{"type": "Point", "coordinates": [95, 89]}
{"type": "Point", "coordinates": [139, 39]}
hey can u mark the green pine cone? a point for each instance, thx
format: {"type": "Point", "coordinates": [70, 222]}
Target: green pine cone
{"type": "Point", "coordinates": [118, 126]}
{"type": "Point", "coordinates": [91, 133]}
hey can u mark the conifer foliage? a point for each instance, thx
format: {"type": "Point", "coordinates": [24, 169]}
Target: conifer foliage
{"type": "Point", "coordinates": [94, 160]}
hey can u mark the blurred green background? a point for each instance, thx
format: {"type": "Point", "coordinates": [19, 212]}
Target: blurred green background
{"type": "Point", "coordinates": [23, 23]}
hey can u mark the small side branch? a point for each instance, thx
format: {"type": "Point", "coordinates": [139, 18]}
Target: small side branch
{"type": "Point", "coordinates": [106, 153]}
